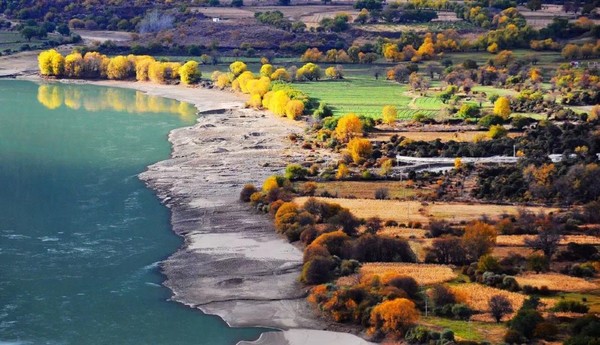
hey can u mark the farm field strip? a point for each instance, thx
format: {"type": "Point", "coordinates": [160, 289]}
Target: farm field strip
{"type": "Point", "coordinates": [558, 282]}
{"type": "Point", "coordinates": [424, 274]}
{"type": "Point", "coordinates": [519, 240]}
{"type": "Point", "coordinates": [415, 211]}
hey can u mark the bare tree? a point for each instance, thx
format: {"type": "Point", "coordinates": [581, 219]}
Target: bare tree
{"type": "Point", "coordinates": [499, 306]}
{"type": "Point", "coordinates": [547, 239]}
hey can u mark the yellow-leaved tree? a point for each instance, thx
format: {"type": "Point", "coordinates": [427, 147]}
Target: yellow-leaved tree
{"type": "Point", "coordinates": [281, 74]}
{"type": "Point", "coordinates": [119, 68]}
{"type": "Point", "coordinates": [266, 70]}
{"type": "Point", "coordinates": [390, 114]}
{"type": "Point", "coordinates": [74, 65]}
{"type": "Point", "coordinates": [394, 317]}
{"type": "Point", "coordinates": [58, 65]}
{"type": "Point", "coordinates": [502, 107]}
{"type": "Point", "coordinates": [342, 171]}
{"type": "Point", "coordinates": [359, 149]}
{"type": "Point", "coordinates": [277, 102]}
{"type": "Point", "coordinates": [294, 109]}
{"type": "Point", "coordinates": [142, 66]}
{"type": "Point", "coordinates": [189, 73]}
{"type": "Point", "coordinates": [237, 68]}
{"type": "Point", "coordinates": [479, 239]}
{"type": "Point", "coordinates": [157, 72]}
{"type": "Point", "coordinates": [45, 62]}
{"type": "Point", "coordinates": [348, 126]}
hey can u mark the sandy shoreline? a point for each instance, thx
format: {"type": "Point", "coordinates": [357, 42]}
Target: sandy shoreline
{"type": "Point", "coordinates": [232, 263]}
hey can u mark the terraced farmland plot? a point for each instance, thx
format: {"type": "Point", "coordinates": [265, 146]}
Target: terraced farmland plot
{"type": "Point", "coordinates": [367, 96]}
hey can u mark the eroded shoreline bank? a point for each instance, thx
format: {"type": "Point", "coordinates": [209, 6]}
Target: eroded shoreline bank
{"type": "Point", "coordinates": [232, 263]}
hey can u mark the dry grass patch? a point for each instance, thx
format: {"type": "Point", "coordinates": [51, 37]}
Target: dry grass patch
{"type": "Point", "coordinates": [405, 212]}
{"type": "Point", "coordinates": [424, 274]}
{"type": "Point", "coordinates": [407, 233]}
{"type": "Point", "coordinates": [519, 240]}
{"type": "Point", "coordinates": [477, 296]}
{"type": "Point", "coordinates": [502, 252]}
{"type": "Point", "coordinates": [400, 211]}
{"type": "Point", "coordinates": [557, 282]}
{"type": "Point", "coordinates": [366, 189]}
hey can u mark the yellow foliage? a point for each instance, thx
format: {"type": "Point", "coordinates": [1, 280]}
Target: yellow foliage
{"type": "Point", "coordinates": [333, 73]}
{"type": "Point", "coordinates": [502, 107]}
{"type": "Point", "coordinates": [141, 69]}
{"type": "Point", "coordinates": [458, 163]}
{"type": "Point", "coordinates": [390, 114]}
{"type": "Point", "coordinates": [222, 81]}
{"type": "Point", "coordinates": [74, 65]}
{"type": "Point", "coordinates": [359, 149]}
{"type": "Point", "coordinates": [255, 101]}
{"type": "Point", "coordinates": [119, 68]}
{"type": "Point", "coordinates": [58, 65]}
{"type": "Point", "coordinates": [278, 102]}
{"type": "Point", "coordinates": [493, 48]}
{"type": "Point", "coordinates": [479, 238]}
{"type": "Point", "coordinates": [427, 48]}
{"type": "Point", "coordinates": [189, 73]}
{"type": "Point", "coordinates": [157, 72]}
{"type": "Point", "coordinates": [259, 86]}
{"type": "Point", "coordinates": [535, 75]}
{"type": "Point", "coordinates": [294, 109]}
{"type": "Point", "coordinates": [243, 80]}
{"type": "Point", "coordinates": [266, 70]}
{"type": "Point", "coordinates": [281, 74]}
{"type": "Point", "coordinates": [270, 184]}
{"type": "Point", "coordinates": [95, 65]}
{"type": "Point", "coordinates": [45, 61]}
{"type": "Point", "coordinates": [342, 171]}
{"type": "Point", "coordinates": [394, 317]}
{"type": "Point", "coordinates": [348, 126]}
{"type": "Point", "coordinates": [237, 68]}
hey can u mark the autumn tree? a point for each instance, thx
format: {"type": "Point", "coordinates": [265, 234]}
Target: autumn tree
{"type": "Point", "coordinates": [348, 126]}
{"type": "Point", "coordinates": [342, 171]}
{"type": "Point", "coordinates": [74, 65]}
{"type": "Point", "coordinates": [479, 239]}
{"type": "Point", "coordinates": [394, 316]}
{"type": "Point", "coordinates": [502, 107]}
{"type": "Point", "coordinates": [360, 149]}
{"type": "Point", "coordinates": [157, 72]}
{"type": "Point", "coordinates": [58, 64]}
{"type": "Point", "coordinates": [334, 73]}
{"type": "Point", "coordinates": [294, 109]}
{"type": "Point", "coordinates": [504, 58]}
{"type": "Point", "coordinates": [142, 66]}
{"type": "Point", "coordinates": [499, 306]}
{"type": "Point", "coordinates": [278, 102]}
{"type": "Point", "coordinates": [237, 68]}
{"type": "Point", "coordinates": [493, 48]}
{"type": "Point", "coordinates": [390, 114]}
{"type": "Point", "coordinates": [427, 49]}
{"type": "Point", "coordinates": [266, 70]}
{"type": "Point", "coordinates": [189, 73]}
{"type": "Point", "coordinates": [310, 72]}
{"type": "Point", "coordinates": [45, 62]}
{"type": "Point", "coordinates": [119, 68]}
{"type": "Point", "coordinates": [281, 74]}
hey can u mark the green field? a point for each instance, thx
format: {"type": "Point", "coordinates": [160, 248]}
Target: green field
{"type": "Point", "coordinates": [468, 330]}
{"type": "Point", "coordinates": [364, 95]}
{"type": "Point", "coordinates": [12, 40]}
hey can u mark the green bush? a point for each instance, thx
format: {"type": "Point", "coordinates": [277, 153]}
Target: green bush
{"type": "Point", "coordinates": [295, 172]}
{"type": "Point", "coordinates": [571, 306]}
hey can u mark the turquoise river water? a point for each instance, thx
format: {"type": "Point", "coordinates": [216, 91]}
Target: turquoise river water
{"type": "Point", "coordinates": [80, 234]}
